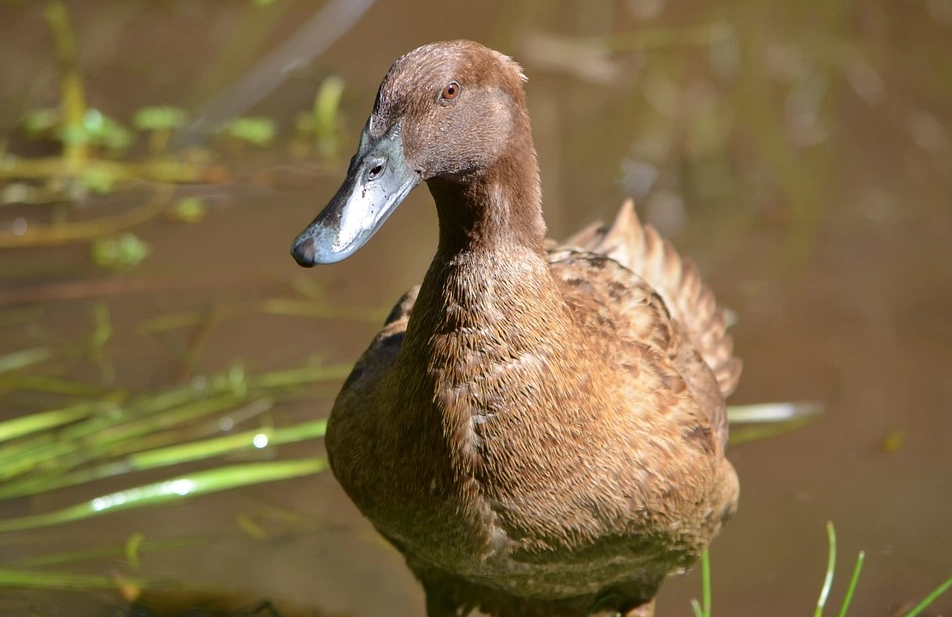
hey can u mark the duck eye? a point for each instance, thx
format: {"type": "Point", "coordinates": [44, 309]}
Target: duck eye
{"type": "Point", "coordinates": [450, 92]}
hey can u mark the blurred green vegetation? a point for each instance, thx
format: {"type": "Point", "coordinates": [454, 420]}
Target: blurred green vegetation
{"type": "Point", "coordinates": [746, 114]}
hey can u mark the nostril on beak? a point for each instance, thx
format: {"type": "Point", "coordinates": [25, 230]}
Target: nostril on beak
{"type": "Point", "coordinates": [376, 168]}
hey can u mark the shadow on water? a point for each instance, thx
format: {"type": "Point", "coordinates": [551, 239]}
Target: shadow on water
{"type": "Point", "coordinates": [803, 161]}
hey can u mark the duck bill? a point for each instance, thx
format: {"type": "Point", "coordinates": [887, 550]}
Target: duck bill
{"type": "Point", "coordinates": [378, 180]}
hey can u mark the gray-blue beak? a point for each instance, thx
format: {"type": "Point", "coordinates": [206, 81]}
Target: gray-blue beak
{"type": "Point", "coordinates": [378, 180]}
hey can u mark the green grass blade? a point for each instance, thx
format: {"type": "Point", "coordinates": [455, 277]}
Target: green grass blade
{"type": "Point", "coordinates": [131, 549]}
{"type": "Point", "coordinates": [169, 418]}
{"type": "Point", "coordinates": [41, 454]}
{"type": "Point", "coordinates": [706, 583]}
{"type": "Point", "coordinates": [929, 599]}
{"type": "Point", "coordinates": [830, 567]}
{"type": "Point", "coordinates": [21, 359]}
{"type": "Point", "coordinates": [169, 455]}
{"type": "Point", "coordinates": [773, 419]}
{"type": "Point", "coordinates": [208, 448]}
{"type": "Point", "coordinates": [696, 607]}
{"type": "Point", "coordinates": [78, 436]}
{"type": "Point", "coordinates": [158, 493]}
{"type": "Point", "coordinates": [191, 432]}
{"type": "Point", "coordinates": [703, 608]}
{"type": "Point", "coordinates": [28, 579]}
{"type": "Point", "coordinates": [34, 423]}
{"type": "Point", "coordinates": [773, 412]}
{"type": "Point", "coordinates": [748, 434]}
{"type": "Point", "coordinates": [853, 581]}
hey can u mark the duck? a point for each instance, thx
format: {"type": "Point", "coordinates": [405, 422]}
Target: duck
{"type": "Point", "coordinates": [539, 427]}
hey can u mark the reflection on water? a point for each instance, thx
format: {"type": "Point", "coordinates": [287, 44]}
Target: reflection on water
{"type": "Point", "coordinates": [803, 160]}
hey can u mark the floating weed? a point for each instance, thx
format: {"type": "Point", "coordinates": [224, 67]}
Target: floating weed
{"type": "Point", "coordinates": [72, 90]}
{"type": "Point", "coordinates": [83, 131]}
{"type": "Point", "coordinates": [160, 121]}
{"type": "Point", "coordinates": [321, 125]}
{"type": "Point", "coordinates": [96, 129]}
{"type": "Point", "coordinates": [326, 117]}
{"type": "Point", "coordinates": [104, 131]}
{"type": "Point", "coordinates": [49, 235]}
{"type": "Point", "coordinates": [893, 441]}
{"type": "Point", "coordinates": [98, 180]}
{"type": "Point", "coordinates": [41, 122]}
{"type": "Point", "coordinates": [119, 252]}
{"type": "Point", "coordinates": [257, 131]}
{"type": "Point", "coordinates": [157, 170]}
{"type": "Point", "coordinates": [189, 210]}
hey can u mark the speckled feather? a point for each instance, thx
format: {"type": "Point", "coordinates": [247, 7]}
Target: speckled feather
{"type": "Point", "coordinates": [540, 432]}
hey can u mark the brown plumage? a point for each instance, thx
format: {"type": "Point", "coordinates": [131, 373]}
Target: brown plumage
{"type": "Point", "coordinates": [540, 429]}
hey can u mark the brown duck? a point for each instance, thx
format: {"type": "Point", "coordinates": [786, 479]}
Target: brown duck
{"type": "Point", "coordinates": [539, 429]}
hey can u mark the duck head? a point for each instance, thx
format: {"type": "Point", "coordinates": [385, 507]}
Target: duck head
{"type": "Point", "coordinates": [445, 114]}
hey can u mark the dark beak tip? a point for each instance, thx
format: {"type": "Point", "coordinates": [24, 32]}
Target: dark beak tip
{"type": "Point", "coordinates": [303, 253]}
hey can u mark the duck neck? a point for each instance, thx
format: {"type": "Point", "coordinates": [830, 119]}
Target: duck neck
{"type": "Point", "coordinates": [490, 267]}
{"type": "Point", "coordinates": [494, 210]}
{"type": "Point", "coordinates": [488, 305]}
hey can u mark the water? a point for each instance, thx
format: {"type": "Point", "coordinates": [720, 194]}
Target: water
{"type": "Point", "coordinates": [806, 168]}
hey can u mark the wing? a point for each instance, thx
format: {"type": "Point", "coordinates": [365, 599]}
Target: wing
{"type": "Point", "coordinates": [691, 303]}
{"type": "Point", "coordinates": [630, 323]}
{"type": "Point", "coordinates": [376, 361]}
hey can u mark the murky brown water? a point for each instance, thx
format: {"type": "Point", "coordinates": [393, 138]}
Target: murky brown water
{"type": "Point", "coordinates": [807, 167]}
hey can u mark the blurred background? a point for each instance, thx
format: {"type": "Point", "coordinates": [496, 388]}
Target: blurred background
{"type": "Point", "coordinates": [158, 157]}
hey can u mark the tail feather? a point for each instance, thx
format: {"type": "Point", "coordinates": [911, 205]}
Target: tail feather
{"type": "Point", "coordinates": [641, 249]}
